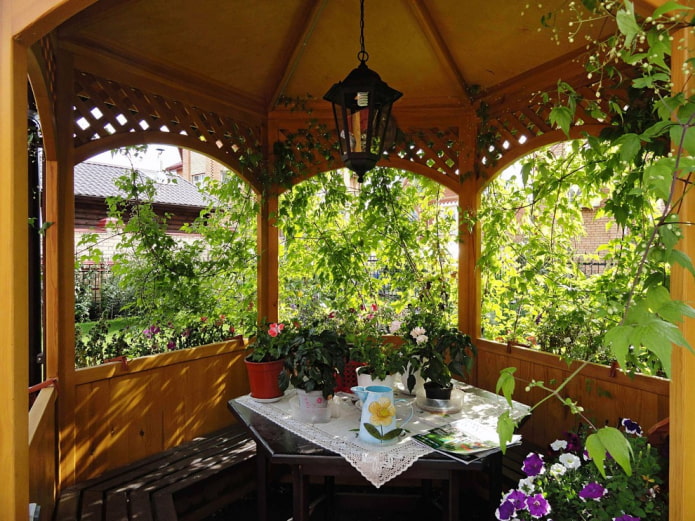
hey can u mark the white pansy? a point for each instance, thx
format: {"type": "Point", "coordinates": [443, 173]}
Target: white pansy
{"type": "Point", "coordinates": [570, 461]}
{"type": "Point", "coordinates": [558, 445]}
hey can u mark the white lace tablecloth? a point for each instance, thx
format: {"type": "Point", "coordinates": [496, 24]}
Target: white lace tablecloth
{"type": "Point", "coordinates": [379, 464]}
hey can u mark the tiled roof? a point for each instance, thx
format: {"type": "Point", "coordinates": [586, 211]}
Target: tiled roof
{"type": "Point", "coordinates": [97, 180]}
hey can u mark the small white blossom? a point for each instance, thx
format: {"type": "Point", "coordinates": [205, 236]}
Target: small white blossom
{"type": "Point", "coordinates": [557, 470]}
{"type": "Point", "coordinates": [421, 339]}
{"type": "Point", "coordinates": [570, 461]}
{"type": "Point", "coordinates": [527, 485]}
{"type": "Point", "coordinates": [394, 326]}
{"type": "Point", "coordinates": [417, 331]}
{"type": "Point", "coordinates": [558, 445]}
{"type": "Point", "coordinates": [567, 340]}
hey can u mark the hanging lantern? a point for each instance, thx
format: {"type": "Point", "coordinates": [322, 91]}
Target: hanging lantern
{"type": "Point", "coordinates": [362, 112]}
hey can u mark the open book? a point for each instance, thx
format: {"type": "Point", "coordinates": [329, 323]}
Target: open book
{"type": "Point", "coordinates": [464, 440]}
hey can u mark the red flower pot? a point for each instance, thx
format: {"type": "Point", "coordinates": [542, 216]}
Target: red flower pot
{"type": "Point", "coordinates": [263, 379]}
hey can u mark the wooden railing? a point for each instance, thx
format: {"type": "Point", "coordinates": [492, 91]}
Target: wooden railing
{"type": "Point", "coordinates": [605, 394]}
{"type": "Point", "coordinates": [43, 451]}
{"type": "Point", "coordinates": [129, 409]}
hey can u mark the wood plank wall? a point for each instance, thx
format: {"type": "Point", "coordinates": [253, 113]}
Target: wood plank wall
{"type": "Point", "coordinates": [127, 413]}
{"type": "Point", "coordinates": [43, 450]}
{"type": "Point", "coordinates": [605, 398]}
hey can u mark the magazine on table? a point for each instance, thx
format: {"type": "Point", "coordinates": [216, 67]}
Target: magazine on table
{"type": "Point", "coordinates": [464, 440]}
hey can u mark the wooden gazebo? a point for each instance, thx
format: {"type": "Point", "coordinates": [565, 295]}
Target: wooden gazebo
{"type": "Point", "coordinates": [225, 79]}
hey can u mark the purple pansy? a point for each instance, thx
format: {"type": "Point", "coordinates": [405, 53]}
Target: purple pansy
{"type": "Point", "coordinates": [593, 491]}
{"type": "Point", "coordinates": [631, 427]}
{"type": "Point", "coordinates": [537, 505]}
{"type": "Point", "coordinates": [505, 511]}
{"type": "Point", "coordinates": [626, 517]}
{"type": "Point", "coordinates": [533, 465]}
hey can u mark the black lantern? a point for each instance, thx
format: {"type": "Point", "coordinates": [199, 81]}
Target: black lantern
{"type": "Point", "coordinates": [362, 111]}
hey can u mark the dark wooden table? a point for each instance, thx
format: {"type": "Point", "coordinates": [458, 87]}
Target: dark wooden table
{"type": "Point", "coordinates": [278, 446]}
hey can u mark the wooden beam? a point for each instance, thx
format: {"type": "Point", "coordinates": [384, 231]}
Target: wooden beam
{"type": "Point", "coordinates": [33, 19]}
{"type": "Point", "coordinates": [14, 282]}
{"type": "Point", "coordinates": [434, 37]}
{"type": "Point", "coordinates": [296, 46]}
{"type": "Point", "coordinates": [682, 397]}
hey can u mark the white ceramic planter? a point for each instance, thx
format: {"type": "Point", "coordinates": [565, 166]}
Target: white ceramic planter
{"type": "Point", "coordinates": [365, 379]}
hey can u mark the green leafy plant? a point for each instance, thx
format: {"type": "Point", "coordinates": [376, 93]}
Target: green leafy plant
{"type": "Point", "coordinates": [569, 485]}
{"type": "Point", "coordinates": [318, 355]}
{"type": "Point", "coordinates": [437, 350]}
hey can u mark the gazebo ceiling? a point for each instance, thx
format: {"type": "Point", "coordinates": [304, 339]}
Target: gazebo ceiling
{"type": "Point", "coordinates": [252, 53]}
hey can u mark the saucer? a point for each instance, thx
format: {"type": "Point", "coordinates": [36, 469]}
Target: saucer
{"type": "Point", "coordinates": [267, 400]}
{"type": "Point", "coordinates": [455, 404]}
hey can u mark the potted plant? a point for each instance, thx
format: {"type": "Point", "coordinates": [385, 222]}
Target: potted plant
{"type": "Point", "coordinates": [437, 351]}
{"type": "Point", "coordinates": [381, 360]}
{"type": "Point", "coordinates": [317, 356]}
{"type": "Point", "coordinates": [270, 344]}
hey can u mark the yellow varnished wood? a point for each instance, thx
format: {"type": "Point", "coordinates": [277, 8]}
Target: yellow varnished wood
{"type": "Point", "coordinates": [14, 374]}
{"type": "Point", "coordinates": [126, 413]}
{"type": "Point", "coordinates": [682, 417]}
{"type": "Point", "coordinates": [43, 451]}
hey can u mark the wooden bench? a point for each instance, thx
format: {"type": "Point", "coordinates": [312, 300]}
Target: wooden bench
{"type": "Point", "coordinates": [185, 483]}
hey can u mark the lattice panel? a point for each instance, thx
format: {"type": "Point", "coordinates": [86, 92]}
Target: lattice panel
{"type": "Point", "coordinates": [433, 148]}
{"type": "Point", "coordinates": [49, 63]}
{"type": "Point", "coordinates": [104, 108]}
{"type": "Point", "coordinates": [517, 127]}
{"type": "Point", "coordinates": [437, 149]}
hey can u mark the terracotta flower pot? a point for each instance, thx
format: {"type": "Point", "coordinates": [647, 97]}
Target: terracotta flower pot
{"type": "Point", "coordinates": [263, 379]}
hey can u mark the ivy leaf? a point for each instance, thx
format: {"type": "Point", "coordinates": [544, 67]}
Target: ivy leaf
{"type": "Point", "coordinates": [669, 6]}
{"type": "Point", "coordinates": [505, 429]}
{"type": "Point", "coordinates": [617, 339]}
{"type": "Point", "coordinates": [506, 383]}
{"type": "Point", "coordinates": [678, 257]}
{"type": "Point", "coordinates": [627, 23]}
{"type": "Point", "coordinates": [658, 176]}
{"type": "Point", "coordinates": [562, 118]}
{"type": "Point", "coordinates": [630, 145]}
{"type": "Point", "coordinates": [687, 141]}
{"type": "Point", "coordinates": [609, 440]}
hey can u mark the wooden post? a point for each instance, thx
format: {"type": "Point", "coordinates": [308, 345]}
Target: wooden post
{"type": "Point", "coordinates": [60, 259]}
{"type": "Point", "coordinates": [682, 396]}
{"type": "Point", "coordinates": [469, 240]}
{"type": "Point", "coordinates": [14, 287]}
{"type": "Point", "coordinates": [268, 262]}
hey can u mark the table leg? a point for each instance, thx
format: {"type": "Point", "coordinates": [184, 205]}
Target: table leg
{"type": "Point", "coordinates": [261, 485]}
{"type": "Point", "coordinates": [495, 476]}
{"type": "Point", "coordinates": [300, 494]}
{"type": "Point", "coordinates": [454, 499]}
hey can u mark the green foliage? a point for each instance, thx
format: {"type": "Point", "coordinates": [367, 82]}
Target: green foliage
{"type": "Point", "coordinates": [578, 489]}
{"type": "Point", "coordinates": [272, 342]}
{"type": "Point", "coordinates": [384, 243]}
{"type": "Point", "coordinates": [318, 355]}
{"type": "Point", "coordinates": [439, 351]}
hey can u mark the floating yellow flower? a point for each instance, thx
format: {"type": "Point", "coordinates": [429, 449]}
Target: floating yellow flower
{"type": "Point", "coordinates": [382, 411]}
